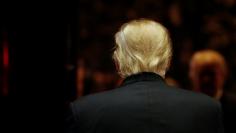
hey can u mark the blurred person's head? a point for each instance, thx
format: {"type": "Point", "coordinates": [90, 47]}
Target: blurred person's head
{"type": "Point", "coordinates": [142, 46]}
{"type": "Point", "coordinates": [208, 72]}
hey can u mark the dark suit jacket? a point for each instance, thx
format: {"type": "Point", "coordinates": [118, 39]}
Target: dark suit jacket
{"type": "Point", "coordinates": [145, 104]}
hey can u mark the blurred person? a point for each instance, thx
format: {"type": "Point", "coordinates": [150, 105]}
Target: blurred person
{"type": "Point", "coordinates": [144, 103]}
{"type": "Point", "coordinates": [208, 73]}
{"type": "Point", "coordinates": [94, 79]}
{"type": "Point", "coordinates": [98, 81]}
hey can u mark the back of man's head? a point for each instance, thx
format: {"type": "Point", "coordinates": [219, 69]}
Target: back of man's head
{"type": "Point", "coordinates": [142, 46]}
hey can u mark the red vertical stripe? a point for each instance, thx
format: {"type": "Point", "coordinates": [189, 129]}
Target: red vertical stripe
{"type": "Point", "coordinates": [5, 54]}
{"type": "Point", "coordinates": [5, 66]}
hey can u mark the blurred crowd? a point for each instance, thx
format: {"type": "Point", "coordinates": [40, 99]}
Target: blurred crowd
{"type": "Point", "coordinates": [193, 25]}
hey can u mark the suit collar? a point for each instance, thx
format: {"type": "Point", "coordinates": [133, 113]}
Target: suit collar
{"type": "Point", "coordinates": [144, 76]}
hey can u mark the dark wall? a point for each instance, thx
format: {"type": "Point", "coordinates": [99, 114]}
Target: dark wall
{"type": "Point", "coordinates": [37, 34]}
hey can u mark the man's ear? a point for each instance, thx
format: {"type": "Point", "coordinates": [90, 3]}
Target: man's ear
{"type": "Point", "coordinates": [117, 66]}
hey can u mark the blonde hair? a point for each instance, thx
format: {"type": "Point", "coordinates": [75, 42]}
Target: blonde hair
{"type": "Point", "coordinates": [142, 46]}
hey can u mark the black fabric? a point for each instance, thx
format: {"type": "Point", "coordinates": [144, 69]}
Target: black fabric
{"type": "Point", "coordinates": [228, 103]}
{"type": "Point", "coordinates": [145, 104]}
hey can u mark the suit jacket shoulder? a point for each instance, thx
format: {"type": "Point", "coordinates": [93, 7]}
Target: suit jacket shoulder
{"type": "Point", "coordinates": [144, 103]}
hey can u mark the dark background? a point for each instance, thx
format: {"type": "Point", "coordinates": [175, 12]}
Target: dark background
{"type": "Point", "coordinates": [51, 44]}
{"type": "Point", "coordinates": [36, 35]}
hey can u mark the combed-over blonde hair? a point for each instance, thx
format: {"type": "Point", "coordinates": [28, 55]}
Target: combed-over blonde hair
{"type": "Point", "coordinates": [142, 46]}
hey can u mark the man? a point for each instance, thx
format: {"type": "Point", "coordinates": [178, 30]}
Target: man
{"type": "Point", "coordinates": [144, 103]}
{"type": "Point", "coordinates": [208, 73]}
